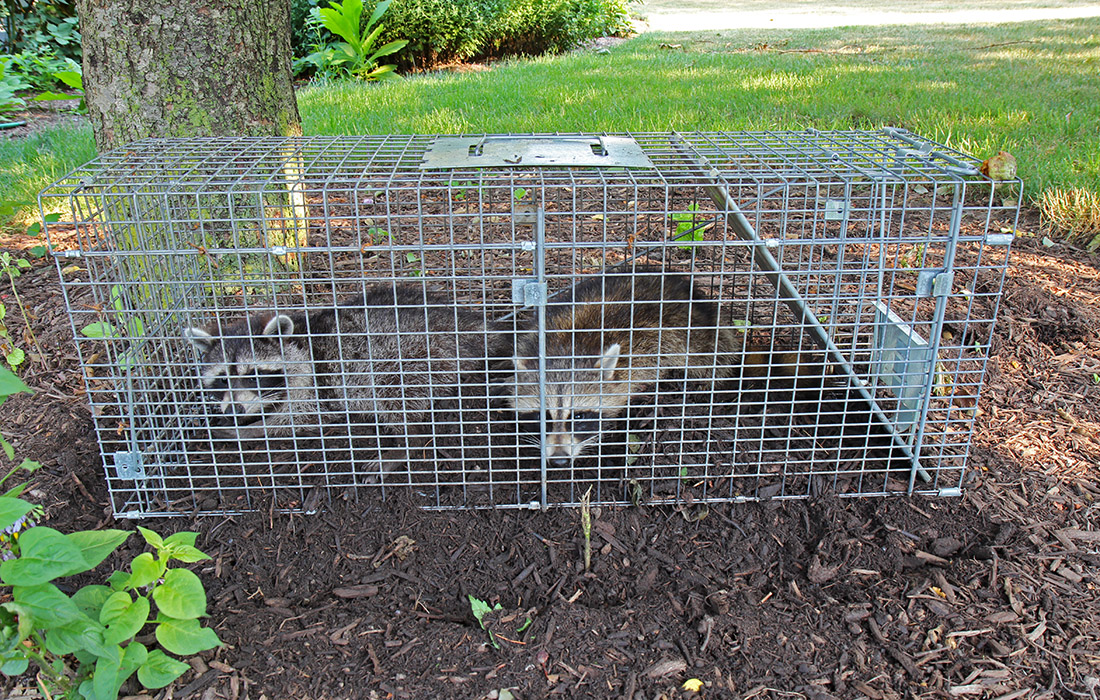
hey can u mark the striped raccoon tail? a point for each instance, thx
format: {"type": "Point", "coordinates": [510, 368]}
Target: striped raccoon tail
{"type": "Point", "coordinates": [796, 369]}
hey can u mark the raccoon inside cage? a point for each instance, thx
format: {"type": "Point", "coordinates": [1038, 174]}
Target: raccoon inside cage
{"type": "Point", "coordinates": [525, 320]}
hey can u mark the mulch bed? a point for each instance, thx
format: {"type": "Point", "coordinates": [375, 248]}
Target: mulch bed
{"type": "Point", "coordinates": [991, 595]}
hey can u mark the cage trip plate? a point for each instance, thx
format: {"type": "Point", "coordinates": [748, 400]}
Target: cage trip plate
{"type": "Point", "coordinates": [456, 152]}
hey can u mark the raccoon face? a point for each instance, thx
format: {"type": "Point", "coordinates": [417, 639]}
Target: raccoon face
{"type": "Point", "coordinates": [251, 377]}
{"type": "Point", "coordinates": [582, 398]}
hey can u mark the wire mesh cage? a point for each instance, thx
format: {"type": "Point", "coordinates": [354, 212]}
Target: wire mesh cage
{"type": "Point", "coordinates": [523, 320]}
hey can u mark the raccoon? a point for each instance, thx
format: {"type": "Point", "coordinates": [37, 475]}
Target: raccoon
{"type": "Point", "coordinates": [611, 340]}
{"type": "Point", "coordinates": [392, 355]}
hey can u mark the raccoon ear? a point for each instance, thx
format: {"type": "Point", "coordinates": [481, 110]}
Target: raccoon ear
{"type": "Point", "coordinates": [202, 340]}
{"type": "Point", "coordinates": [609, 361]}
{"type": "Point", "coordinates": [280, 325]}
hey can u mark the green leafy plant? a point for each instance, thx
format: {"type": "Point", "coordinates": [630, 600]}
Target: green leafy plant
{"type": "Point", "coordinates": [379, 235]}
{"type": "Point", "coordinates": [133, 329]}
{"type": "Point", "coordinates": [480, 609]}
{"type": "Point", "coordinates": [688, 228]}
{"type": "Point", "coordinates": [356, 55]}
{"type": "Point", "coordinates": [10, 84]}
{"type": "Point", "coordinates": [85, 646]}
{"type": "Point", "coordinates": [14, 355]}
{"type": "Point", "coordinates": [73, 78]}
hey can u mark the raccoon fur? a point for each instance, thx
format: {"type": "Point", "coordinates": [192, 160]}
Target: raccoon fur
{"type": "Point", "coordinates": [389, 357]}
{"type": "Point", "coordinates": [610, 340]}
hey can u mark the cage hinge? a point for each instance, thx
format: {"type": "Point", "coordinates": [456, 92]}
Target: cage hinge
{"type": "Point", "coordinates": [129, 465]}
{"type": "Point", "coordinates": [934, 283]}
{"type": "Point", "coordinates": [949, 492]}
{"type": "Point", "coordinates": [529, 292]}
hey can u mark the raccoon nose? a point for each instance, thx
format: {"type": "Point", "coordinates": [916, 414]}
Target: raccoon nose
{"type": "Point", "coordinates": [558, 462]}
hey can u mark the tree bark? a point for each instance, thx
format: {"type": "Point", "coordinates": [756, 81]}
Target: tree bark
{"type": "Point", "coordinates": [187, 68]}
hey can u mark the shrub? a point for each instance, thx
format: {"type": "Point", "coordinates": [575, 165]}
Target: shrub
{"type": "Point", "coordinates": [552, 26]}
{"type": "Point", "coordinates": [39, 25]}
{"type": "Point", "coordinates": [443, 31]}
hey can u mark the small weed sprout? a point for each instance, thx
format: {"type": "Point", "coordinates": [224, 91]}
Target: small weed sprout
{"type": "Point", "coordinates": [586, 526]}
{"type": "Point", "coordinates": [13, 267]}
{"type": "Point", "coordinates": [480, 609]}
{"type": "Point", "coordinates": [687, 228]}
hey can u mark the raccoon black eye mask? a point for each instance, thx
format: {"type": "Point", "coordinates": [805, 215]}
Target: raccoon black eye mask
{"type": "Point", "coordinates": [385, 362]}
{"type": "Point", "coordinates": [608, 340]}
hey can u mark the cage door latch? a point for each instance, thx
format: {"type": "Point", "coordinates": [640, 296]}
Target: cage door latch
{"type": "Point", "coordinates": [529, 292]}
{"type": "Point", "coordinates": [934, 283]}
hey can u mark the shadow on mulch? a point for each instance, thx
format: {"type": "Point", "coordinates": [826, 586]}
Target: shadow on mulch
{"type": "Point", "coordinates": [990, 595]}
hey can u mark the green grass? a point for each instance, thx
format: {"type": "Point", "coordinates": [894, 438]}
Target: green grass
{"type": "Point", "coordinates": [29, 164]}
{"type": "Point", "coordinates": [1028, 88]}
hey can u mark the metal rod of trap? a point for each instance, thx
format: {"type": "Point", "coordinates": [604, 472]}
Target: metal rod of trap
{"type": "Point", "coordinates": [740, 225]}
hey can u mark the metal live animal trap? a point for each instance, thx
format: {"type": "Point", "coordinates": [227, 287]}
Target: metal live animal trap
{"type": "Point", "coordinates": [530, 320]}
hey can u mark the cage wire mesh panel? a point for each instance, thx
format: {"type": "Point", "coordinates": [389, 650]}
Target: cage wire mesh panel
{"type": "Point", "coordinates": [514, 321]}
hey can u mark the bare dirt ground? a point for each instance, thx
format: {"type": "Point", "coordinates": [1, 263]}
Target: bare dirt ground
{"type": "Point", "coordinates": [992, 595]}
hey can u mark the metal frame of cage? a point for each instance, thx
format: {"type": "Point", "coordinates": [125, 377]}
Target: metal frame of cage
{"type": "Point", "coordinates": [874, 259]}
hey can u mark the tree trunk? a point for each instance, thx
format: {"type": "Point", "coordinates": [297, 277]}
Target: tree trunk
{"type": "Point", "coordinates": [187, 68]}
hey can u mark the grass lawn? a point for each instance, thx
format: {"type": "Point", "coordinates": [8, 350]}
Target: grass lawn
{"type": "Point", "coordinates": [1029, 88]}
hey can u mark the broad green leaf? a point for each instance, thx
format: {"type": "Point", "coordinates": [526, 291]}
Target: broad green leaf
{"type": "Point", "coordinates": [71, 78]}
{"type": "Point", "coordinates": [181, 596]}
{"type": "Point", "coordinates": [379, 10]}
{"type": "Point", "coordinates": [387, 49]}
{"type": "Point", "coordinates": [80, 635]}
{"type": "Point", "coordinates": [109, 676]}
{"type": "Point", "coordinates": [145, 570]}
{"type": "Point", "coordinates": [11, 510]}
{"type": "Point", "coordinates": [11, 384]}
{"type": "Point", "coordinates": [50, 607]}
{"type": "Point", "coordinates": [19, 619]}
{"type": "Point", "coordinates": [89, 600]}
{"type": "Point", "coordinates": [51, 218]}
{"type": "Point", "coordinates": [14, 667]}
{"type": "Point", "coordinates": [29, 465]}
{"type": "Point", "coordinates": [185, 553]}
{"type": "Point", "coordinates": [124, 616]}
{"type": "Point", "coordinates": [151, 537]}
{"type": "Point", "coordinates": [44, 554]}
{"type": "Point", "coordinates": [117, 582]}
{"type": "Point", "coordinates": [186, 637]}
{"type": "Point", "coordinates": [160, 669]}
{"type": "Point", "coordinates": [97, 545]}
{"type": "Point", "coordinates": [117, 298]}
{"type": "Point", "coordinates": [187, 538]}
{"type": "Point", "coordinates": [9, 451]}
{"type": "Point", "coordinates": [15, 357]}
{"type": "Point", "coordinates": [99, 329]}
